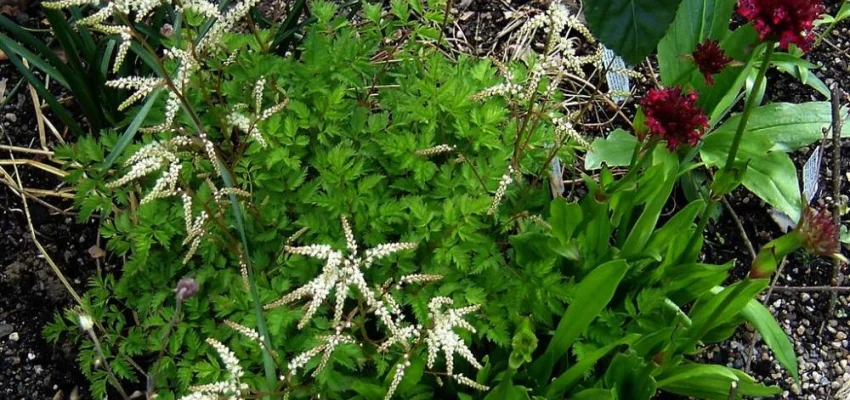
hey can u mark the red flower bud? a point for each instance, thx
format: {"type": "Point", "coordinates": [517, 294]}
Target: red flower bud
{"type": "Point", "coordinates": [819, 233]}
{"type": "Point", "coordinates": [788, 21]}
{"type": "Point", "coordinates": [710, 59]}
{"type": "Point", "coordinates": [674, 116]}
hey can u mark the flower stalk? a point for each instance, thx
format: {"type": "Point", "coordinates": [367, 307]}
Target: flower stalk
{"type": "Point", "coordinates": [87, 324]}
{"type": "Point", "coordinates": [748, 107]}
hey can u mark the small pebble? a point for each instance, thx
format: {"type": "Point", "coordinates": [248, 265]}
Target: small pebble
{"type": "Point", "coordinates": [14, 336]}
{"type": "Point", "coordinates": [11, 117]}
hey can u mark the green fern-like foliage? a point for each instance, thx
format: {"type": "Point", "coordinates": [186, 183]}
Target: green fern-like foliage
{"type": "Point", "coordinates": [362, 102]}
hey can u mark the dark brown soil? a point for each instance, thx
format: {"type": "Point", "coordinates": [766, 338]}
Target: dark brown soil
{"type": "Point", "coordinates": [30, 293]}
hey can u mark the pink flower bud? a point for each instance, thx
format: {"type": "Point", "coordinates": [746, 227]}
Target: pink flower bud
{"type": "Point", "coordinates": [186, 288]}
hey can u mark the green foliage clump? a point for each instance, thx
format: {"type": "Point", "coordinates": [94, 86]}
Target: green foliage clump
{"type": "Point", "coordinates": [436, 166]}
{"type": "Point", "coordinates": [365, 105]}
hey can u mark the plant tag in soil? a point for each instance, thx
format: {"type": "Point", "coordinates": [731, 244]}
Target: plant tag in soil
{"type": "Point", "coordinates": [556, 177]}
{"type": "Point", "coordinates": [811, 175]}
{"type": "Point", "coordinates": [811, 183]}
{"type": "Point", "coordinates": [617, 82]}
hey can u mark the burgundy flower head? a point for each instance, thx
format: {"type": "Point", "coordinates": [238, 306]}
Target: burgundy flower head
{"type": "Point", "coordinates": [819, 233]}
{"type": "Point", "coordinates": [789, 21]}
{"type": "Point", "coordinates": [674, 116]}
{"type": "Point", "coordinates": [710, 59]}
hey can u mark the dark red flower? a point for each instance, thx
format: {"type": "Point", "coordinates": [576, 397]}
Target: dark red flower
{"type": "Point", "coordinates": [819, 233]}
{"type": "Point", "coordinates": [674, 116]}
{"type": "Point", "coordinates": [710, 59]}
{"type": "Point", "coordinates": [788, 21]}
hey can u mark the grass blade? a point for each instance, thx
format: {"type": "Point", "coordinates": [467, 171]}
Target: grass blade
{"type": "Point", "coordinates": [35, 60]}
{"type": "Point", "coordinates": [128, 135]}
{"type": "Point", "coordinates": [84, 40]}
{"type": "Point", "coordinates": [83, 90]}
{"type": "Point", "coordinates": [268, 362]}
{"type": "Point", "coordinates": [288, 27]}
{"type": "Point", "coordinates": [57, 108]}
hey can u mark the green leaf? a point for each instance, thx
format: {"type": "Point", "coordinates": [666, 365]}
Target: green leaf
{"type": "Point", "coordinates": [696, 22]}
{"type": "Point", "coordinates": [771, 130]}
{"type": "Point", "coordinates": [564, 218]}
{"type": "Point", "coordinates": [523, 344]}
{"type": "Point", "coordinates": [57, 108]}
{"type": "Point", "coordinates": [710, 382]}
{"type": "Point", "coordinates": [268, 361]}
{"type": "Point", "coordinates": [716, 309]}
{"type": "Point", "coordinates": [630, 374]}
{"type": "Point", "coordinates": [773, 335]}
{"type": "Point", "coordinates": [35, 60]}
{"type": "Point", "coordinates": [844, 12]}
{"type": "Point", "coordinates": [718, 99]}
{"type": "Point", "coordinates": [632, 28]}
{"type": "Point", "coordinates": [507, 391]}
{"type": "Point", "coordinates": [614, 151]}
{"type": "Point", "coordinates": [593, 394]}
{"type": "Point", "coordinates": [771, 176]}
{"type": "Point", "coordinates": [788, 127]}
{"type": "Point", "coordinates": [572, 376]}
{"type": "Point", "coordinates": [683, 220]}
{"type": "Point", "coordinates": [689, 281]}
{"type": "Point", "coordinates": [591, 296]}
{"type": "Point", "coordinates": [369, 391]}
{"type": "Point", "coordinates": [530, 247]}
{"type": "Point", "coordinates": [642, 229]}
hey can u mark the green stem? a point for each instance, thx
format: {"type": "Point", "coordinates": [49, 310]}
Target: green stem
{"type": "Point", "coordinates": [733, 152]}
{"type": "Point", "coordinates": [110, 375]}
{"type": "Point", "coordinates": [703, 222]}
{"type": "Point", "coordinates": [635, 155]}
{"type": "Point", "coordinates": [748, 107]}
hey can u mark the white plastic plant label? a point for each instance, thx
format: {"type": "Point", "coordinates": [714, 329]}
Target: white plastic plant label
{"type": "Point", "coordinates": [811, 175]}
{"type": "Point", "coordinates": [617, 81]}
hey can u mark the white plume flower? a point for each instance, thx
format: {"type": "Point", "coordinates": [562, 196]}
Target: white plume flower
{"type": "Point", "coordinates": [331, 342]}
{"type": "Point", "coordinates": [506, 180]}
{"type": "Point", "coordinates": [441, 337]}
{"type": "Point", "coordinates": [232, 388]}
{"type": "Point", "coordinates": [339, 274]}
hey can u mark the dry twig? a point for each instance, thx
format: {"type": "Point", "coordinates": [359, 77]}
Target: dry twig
{"type": "Point", "coordinates": [833, 289]}
{"type": "Point", "coordinates": [26, 150]}
{"type": "Point", "coordinates": [41, 249]}
{"type": "Point", "coordinates": [740, 226]}
{"type": "Point", "coordinates": [836, 190]}
{"type": "Point", "coordinates": [32, 163]}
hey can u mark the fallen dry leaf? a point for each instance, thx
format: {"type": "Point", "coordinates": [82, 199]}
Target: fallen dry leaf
{"type": "Point", "coordinates": [3, 56]}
